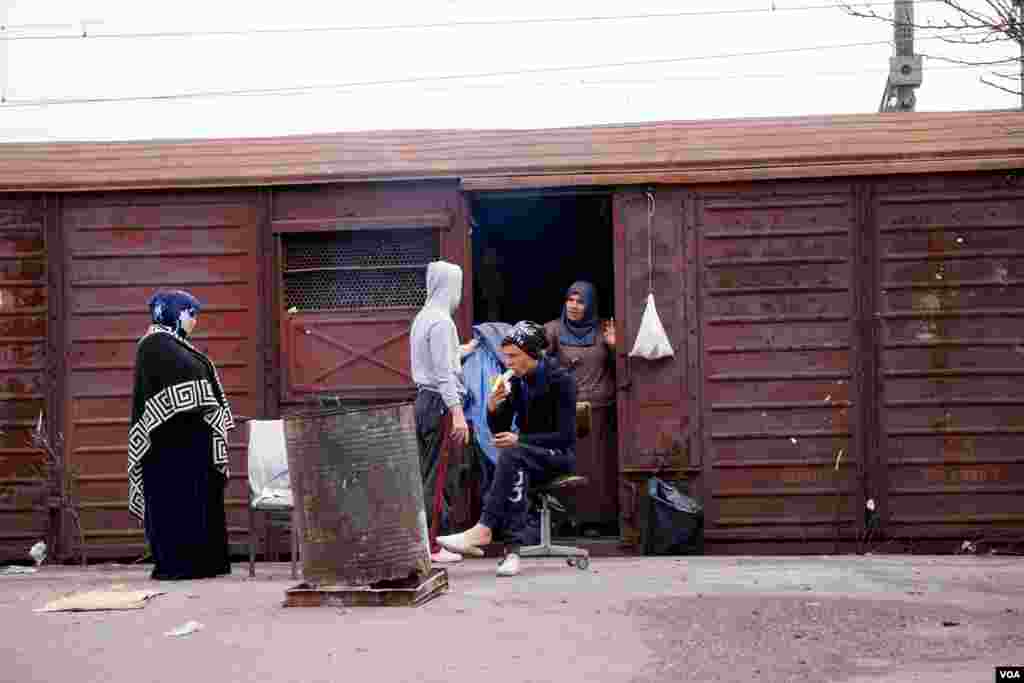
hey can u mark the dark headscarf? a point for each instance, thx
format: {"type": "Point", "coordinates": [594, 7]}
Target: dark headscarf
{"type": "Point", "coordinates": [166, 307]}
{"type": "Point", "coordinates": [582, 332]}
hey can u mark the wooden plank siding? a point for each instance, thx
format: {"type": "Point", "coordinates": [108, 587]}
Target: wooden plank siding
{"type": "Point", "coordinates": [830, 284]}
{"type": "Point", "coordinates": [24, 385]}
{"type": "Point", "coordinates": [950, 327]}
{"type": "Point", "coordinates": [121, 248]}
{"type": "Point", "coordinates": [779, 352]}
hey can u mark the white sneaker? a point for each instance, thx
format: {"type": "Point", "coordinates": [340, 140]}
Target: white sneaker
{"type": "Point", "coordinates": [442, 556]}
{"type": "Point", "coordinates": [509, 566]}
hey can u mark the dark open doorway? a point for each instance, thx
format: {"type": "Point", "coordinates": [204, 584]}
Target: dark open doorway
{"type": "Point", "coordinates": [527, 250]}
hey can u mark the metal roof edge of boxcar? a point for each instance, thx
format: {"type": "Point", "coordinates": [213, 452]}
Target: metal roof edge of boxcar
{"type": "Point", "coordinates": [723, 150]}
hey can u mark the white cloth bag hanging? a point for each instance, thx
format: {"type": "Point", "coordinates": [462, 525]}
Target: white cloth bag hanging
{"type": "Point", "coordinates": [651, 341]}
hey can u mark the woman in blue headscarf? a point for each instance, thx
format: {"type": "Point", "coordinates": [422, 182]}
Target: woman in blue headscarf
{"type": "Point", "coordinates": [177, 445]}
{"type": "Point", "coordinates": [584, 343]}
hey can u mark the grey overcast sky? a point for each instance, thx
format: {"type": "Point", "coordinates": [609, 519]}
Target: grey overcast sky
{"type": "Point", "coordinates": [684, 71]}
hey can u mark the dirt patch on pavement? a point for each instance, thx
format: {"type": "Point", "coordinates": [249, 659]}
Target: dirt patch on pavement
{"type": "Point", "coordinates": [814, 639]}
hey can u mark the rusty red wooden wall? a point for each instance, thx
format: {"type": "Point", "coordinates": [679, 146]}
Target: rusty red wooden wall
{"type": "Point", "coordinates": [24, 380]}
{"type": "Point", "coordinates": [950, 329]}
{"type": "Point", "coordinates": [778, 304]}
{"type": "Point", "coordinates": [119, 249]}
{"type": "Point", "coordinates": [109, 253]}
{"type": "Point", "coordinates": [655, 430]}
{"type": "Point", "coordinates": [876, 323]}
{"type": "Point", "coordinates": [355, 344]}
{"type": "Point", "coordinates": [836, 342]}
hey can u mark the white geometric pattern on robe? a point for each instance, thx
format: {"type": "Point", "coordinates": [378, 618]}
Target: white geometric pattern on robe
{"type": "Point", "coordinates": [165, 405]}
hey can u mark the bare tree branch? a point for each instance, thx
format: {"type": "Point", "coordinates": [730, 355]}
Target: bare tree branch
{"type": "Point", "coordinates": [974, 15]}
{"type": "Point", "coordinates": [1010, 77]}
{"type": "Point", "coordinates": [971, 62]}
{"type": "Point", "coordinates": [62, 479]}
{"type": "Point", "coordinates": [977, 23]}
{"type": "Point", "coordinates": [1007, 15]}
{"type": "Point", "coordinates": [998, 22]}
{"type": "Point", "coordinates": [999, 87]}
{"type": "Point", "coordinates": [989, 38]}
{"type": "Point", "coordinates": [1001, 9]}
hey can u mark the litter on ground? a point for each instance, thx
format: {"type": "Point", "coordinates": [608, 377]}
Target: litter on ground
{"type": "Point", "coordinates": [17, 569]}
{"type": "Point", "coordinates": [101, 600]}
{"type": "Point", "coordinates": [185, 629]}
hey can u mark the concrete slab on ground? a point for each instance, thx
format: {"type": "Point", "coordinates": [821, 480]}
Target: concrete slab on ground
{"type": "Point", "coordinates": [837, 618]}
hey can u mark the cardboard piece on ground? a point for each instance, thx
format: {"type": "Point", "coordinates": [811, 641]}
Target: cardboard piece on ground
{"type": "Point", "coordinates": [101, 600]}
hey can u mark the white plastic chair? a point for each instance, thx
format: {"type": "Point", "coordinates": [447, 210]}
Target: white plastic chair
{"type": "Point", "coordinates": [269, 487]}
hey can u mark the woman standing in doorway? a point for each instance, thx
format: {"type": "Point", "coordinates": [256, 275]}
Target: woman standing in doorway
{"type": "Point", "coordinates": [177, 446]}
{"type": "Point", "coordinates": [585, 344]}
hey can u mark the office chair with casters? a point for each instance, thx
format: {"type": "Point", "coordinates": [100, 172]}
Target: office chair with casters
{"type": "Point", "coordinates": [543, 497]}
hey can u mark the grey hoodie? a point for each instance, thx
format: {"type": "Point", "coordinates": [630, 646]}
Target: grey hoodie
{"type": "Point", "coordinates": [436, 363]}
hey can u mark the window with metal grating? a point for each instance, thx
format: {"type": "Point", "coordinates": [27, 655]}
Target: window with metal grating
{"type": "Point", "coordinates": [359, 269]}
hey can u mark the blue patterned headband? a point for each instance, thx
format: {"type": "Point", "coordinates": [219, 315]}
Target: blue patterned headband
{"type": "Point", "coordinates": [528, 336]}
{"type": "Point", "coordinates": [167, 307]}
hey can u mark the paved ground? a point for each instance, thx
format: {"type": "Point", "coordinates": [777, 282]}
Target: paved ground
{"type": "Point", "coordinates": [854, 619]}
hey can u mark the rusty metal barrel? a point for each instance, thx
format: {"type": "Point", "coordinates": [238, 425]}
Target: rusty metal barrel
{"type": "Point", "coordinates": [355, 476]}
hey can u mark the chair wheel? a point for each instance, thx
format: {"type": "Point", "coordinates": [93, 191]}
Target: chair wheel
{"type": "Point", "coordinates": [571, 561]}
{"type": "Point", "coordinates": [582, 562]}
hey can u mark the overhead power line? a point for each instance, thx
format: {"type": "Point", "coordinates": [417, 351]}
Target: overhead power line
{"type": "Point", "coordinates": [468, 23]}
{"type": "Point", "coordinates": [590, 82]}
{"type": "Point", "coordinates": [686, 78]}
{"type": "Point", "coordinates": [43, 102]}
{"type": "Point", "coordinates": [813, 75]}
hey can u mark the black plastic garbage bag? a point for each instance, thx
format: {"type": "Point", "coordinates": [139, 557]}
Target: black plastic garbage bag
{"type": "Point", "coordinates": [672, 523]}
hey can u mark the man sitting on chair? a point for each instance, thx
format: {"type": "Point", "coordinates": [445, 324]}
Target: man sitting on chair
{"type": "Point", "coordinates": [543, 402]}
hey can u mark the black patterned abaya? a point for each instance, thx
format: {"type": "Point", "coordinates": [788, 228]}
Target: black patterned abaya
{"type": "Point", "coordinates": [178, 457]}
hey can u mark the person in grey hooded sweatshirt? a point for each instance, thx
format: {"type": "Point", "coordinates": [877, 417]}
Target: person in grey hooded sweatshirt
{"type": "Point", "coordinates": [437, 371]}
